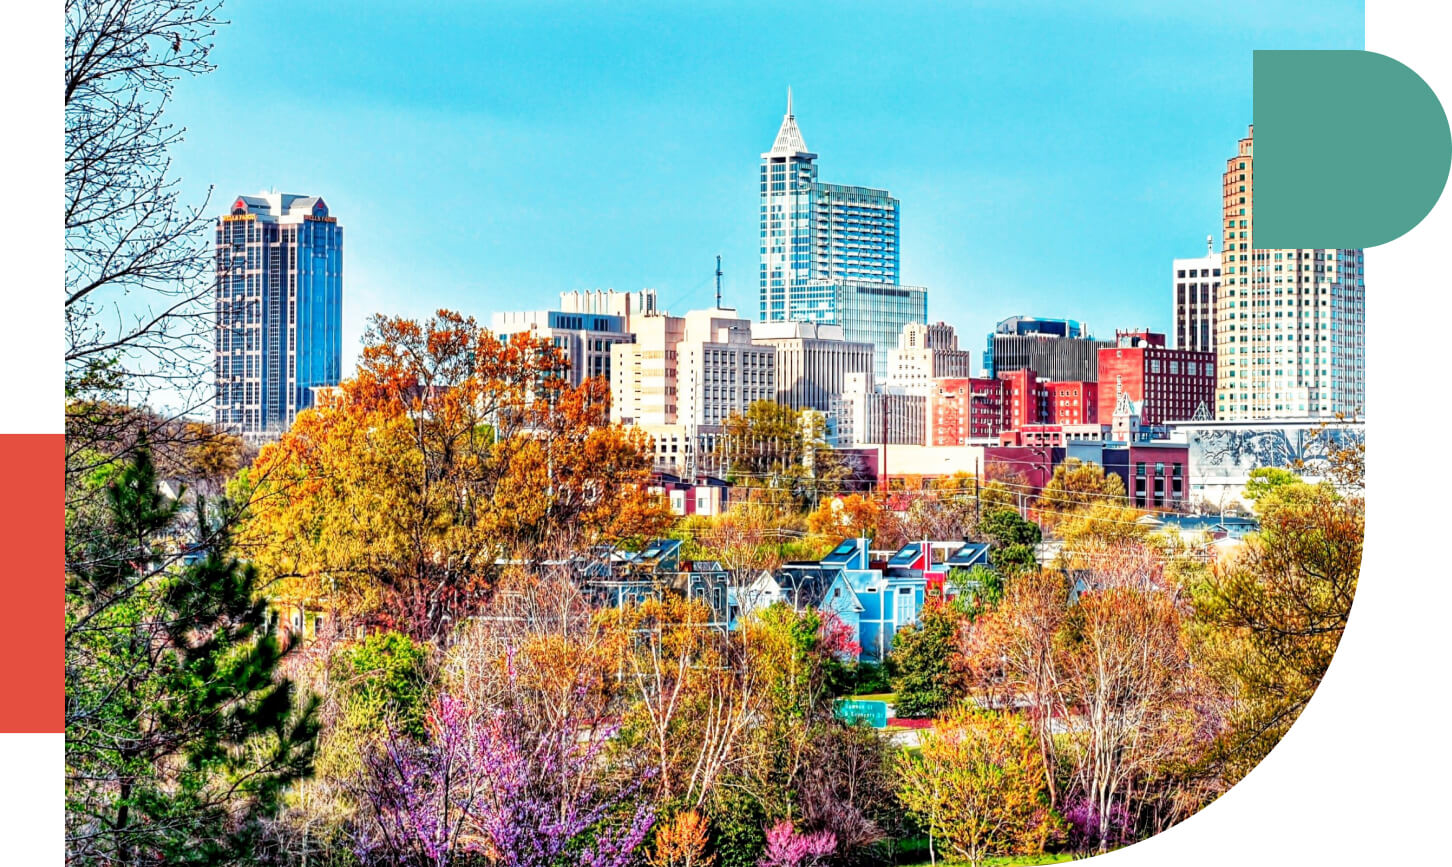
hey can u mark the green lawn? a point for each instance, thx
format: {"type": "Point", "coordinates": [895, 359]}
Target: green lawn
{"type": "Point", "coordinates": [888, 697]}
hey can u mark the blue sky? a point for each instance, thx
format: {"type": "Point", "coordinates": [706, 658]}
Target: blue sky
{"type": "Point", "coordinates": [1051, 158]}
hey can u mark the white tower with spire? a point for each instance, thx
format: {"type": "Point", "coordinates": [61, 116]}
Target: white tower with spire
{"type": "Point", "coordinates": [816, 236]}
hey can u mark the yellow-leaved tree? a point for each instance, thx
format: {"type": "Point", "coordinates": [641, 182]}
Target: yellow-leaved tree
{"type": "Point", "coordinates": [402, 495]}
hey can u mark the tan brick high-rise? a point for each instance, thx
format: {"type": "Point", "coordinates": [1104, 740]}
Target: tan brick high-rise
{"type": "Point", "coordinates": [1290, 324]}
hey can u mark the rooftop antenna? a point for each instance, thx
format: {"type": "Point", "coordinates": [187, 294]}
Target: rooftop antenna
{"type": "Point", "coordinates": [718, 281]}
{"type": "Point", "coordinates": [1210, 245]}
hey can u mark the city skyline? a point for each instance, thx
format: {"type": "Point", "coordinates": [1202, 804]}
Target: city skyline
{"type": "Point", "coordinates": [486, 192]}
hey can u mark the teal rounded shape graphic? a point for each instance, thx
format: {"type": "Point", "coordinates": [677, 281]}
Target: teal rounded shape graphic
{"type": "Point", "coordinates": [1352, 149]}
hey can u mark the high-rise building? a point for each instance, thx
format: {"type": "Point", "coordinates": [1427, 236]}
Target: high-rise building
{"type": "Point", "coordinates": [925, 353]}
{"type": "Point", "coordinates": [279, 310]}
{"type": "Point", "coordinates": [812, 361]}
{"type": "Point", "coordinates": [961, 409]}
{"type": "Point", "coordinates": [1290, 325]}
{"type": "Point", "coordinates": [876, 313]}
{"type": "Point", "coordinates": [683, 377]}
{"type": "Point", "coordinates": [863, 414]}
{"type": "Point", "coordinates": [816, 231]}
{"type": "Point", "coordinates": [583, 338]}
{"type": "Point", "coordinates": [1164, 384]}
{"type": "Point", "coordinates": [829, 253]}
{"type": "Point", "coordinates": [1057, 349]}
{"type": "Point", "coordinates": [629, 306]}
{"type": "Point", "coordinates": [1195, 287]}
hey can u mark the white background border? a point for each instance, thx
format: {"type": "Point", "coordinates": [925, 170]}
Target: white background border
{"type": "Point", "coordinates": [1363, 776]}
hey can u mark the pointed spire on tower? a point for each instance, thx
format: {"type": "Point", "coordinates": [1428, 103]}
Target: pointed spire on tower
{"type": "Point", "coordinates": [788, 139]}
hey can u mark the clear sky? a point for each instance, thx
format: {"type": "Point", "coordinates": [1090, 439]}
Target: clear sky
{"type": "Point", "coordinates": [1051, 158]}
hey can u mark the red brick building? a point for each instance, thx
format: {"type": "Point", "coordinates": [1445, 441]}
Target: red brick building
{"type": "Point", "coordinates": [964, 409]}
{"type": "Point", "coordinates": [1168, 384]}
{"type": "Point", "coordinates": [1073, 402]}
{"type": "Point", "coordinates": [1032, 401]}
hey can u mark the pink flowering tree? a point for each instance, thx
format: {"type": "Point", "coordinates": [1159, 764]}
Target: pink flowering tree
{"type": "Point", "coordinates": [497, 784]}
{"type": "Point", "coordinates": [788, 847]}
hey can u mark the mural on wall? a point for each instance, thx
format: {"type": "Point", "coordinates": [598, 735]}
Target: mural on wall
{"type": "Point", "coordinates": [1216, 451]}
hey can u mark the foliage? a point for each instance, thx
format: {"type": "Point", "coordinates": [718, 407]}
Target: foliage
{"type": "Point", "coordinates": [448, 453]}
{"type": "Point", "coordinates": [1006, 528]}
{"type": "Point", "coordinates": [1273, 615]}
{"type": "Point", "coordinates": [1265, 480]}
{"type": "Point", "coordinates": [180, 736]}
{"type": "Point", "coordinates": [492, 781]}
{"type": "Point", "coordinates": [851, 517]}
{"type": "Point", "coordinates": [780, 456]}
{"type": "Point", "coordinates": [848, 790]}
{"type": "Point", "coordinates": [922, 656]}
{"type": "Point", "coordinates": [1077, 485]}
{"type": "Point", "coordinates": [737, 834]}
{"type": "Point", "coordinates": [788, 847]}
{"type": "Point", "coordinates": [978, 786]}
{"type": "Point", "coordinates": [681, 842]}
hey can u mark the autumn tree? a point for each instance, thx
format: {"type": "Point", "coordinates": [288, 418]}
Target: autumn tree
{"type": "Point", "coordinates": [774, 452]}
{"type": "Point", "coordinates": [1076, 485]}
{"type": "Point", "coordinates": [450, 452]}
{"type": "Point", "coordinates": [978, 787]}
{"type": "Point", "coordinates": [1008, 658]}
{"type": "Point", "coordinates": [681, 842]}
{"type": "Point", "coordinates": [1274, 612]}
{"type": "Point", "coordinates": [690, 699]}
{"type": "Point", "coordinates": [852, 516]}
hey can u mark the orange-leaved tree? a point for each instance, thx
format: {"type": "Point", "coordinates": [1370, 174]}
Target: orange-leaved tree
{"type": "Point", "coordinates": [451, 452]}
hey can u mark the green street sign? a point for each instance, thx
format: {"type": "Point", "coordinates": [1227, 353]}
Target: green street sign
{"type": "Point", "coordinates": [874, 713]}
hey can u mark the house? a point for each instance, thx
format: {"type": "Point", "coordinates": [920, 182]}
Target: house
{"type": "Point", "coordinates": [966, 556]}
{"type": "Point", "coordinates": [892, 597]}
{"type": "Point", "coordinates": [800, 585]}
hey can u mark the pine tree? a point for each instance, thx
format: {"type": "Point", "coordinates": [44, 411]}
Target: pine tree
{"type": "Point", "coordinates": [180, 735]}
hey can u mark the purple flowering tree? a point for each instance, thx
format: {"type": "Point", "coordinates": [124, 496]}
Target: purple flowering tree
{"type": "Point", "coordinates": [500, 785]}
{"type": "Point", "coordinates": [788, 847]}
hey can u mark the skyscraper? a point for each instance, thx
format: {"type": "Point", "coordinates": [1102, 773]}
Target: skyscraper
{"type": "Point", "coordinates": [825, 246]}
{"type": "Point", "coordinates": [279, 310]}
{"type": "Point", "coordinates": [1290, 325]}
{"type": "Point", "coordinates": [1057, 349]}
{"type": "Point", "coordinates": [1195, 286]}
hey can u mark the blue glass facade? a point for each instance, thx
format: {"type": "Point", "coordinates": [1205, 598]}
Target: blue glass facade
{"type": "Point", "coordinates": [813, 232]}
{"type": "Point", "coordinates": [278, 307]}
{"type": "Point", "coordinates": [829, 253]}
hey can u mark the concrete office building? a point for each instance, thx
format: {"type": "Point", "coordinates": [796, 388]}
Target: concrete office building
{"type": "Point", "coordinates": [684, 376]}
{"type": "Point", "coordinates": [1056, 349]}
{"type": "Point", "coordinates": [926, 353]}
{"type": "Point", "coordinates": [629, 306]}
{"type": "Point", "coordinates": [585, 339]}
{"type": "Point", "coordinates": [864, 414]}
{"type": "Point", "coordinates": [1195, 288]}
{"type": "Point", "coordinates": [812, 361]}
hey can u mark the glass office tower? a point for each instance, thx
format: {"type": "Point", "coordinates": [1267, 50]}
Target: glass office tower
{"type": "Point", "coordinates": [816, 235]}
{"type": "Point", "coordinates": [278, 310]}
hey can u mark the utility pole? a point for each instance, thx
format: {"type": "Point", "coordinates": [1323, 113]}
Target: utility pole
{"type": "Point", "coordinates": [977, 500]}
{"type": "Point", "coordinates": [886, 482]}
